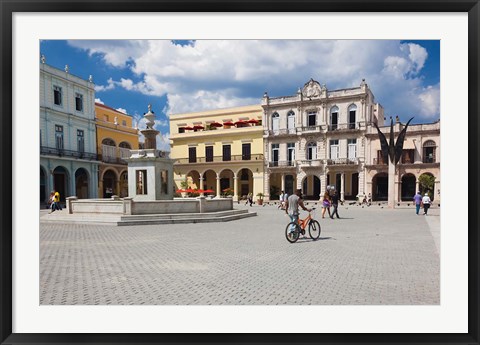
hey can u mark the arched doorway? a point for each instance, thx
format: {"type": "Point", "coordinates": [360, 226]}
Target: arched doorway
{"type": "Point", "coordinates": [380, 187]}
{"type": "Point", "coordinates": [245, 182]}
{"type": "Point", "coordinates": [226, 180]}
{"type": "Point", "coordinates": [81, 184]}
{"type": "Point", "coordinates": [210, 181]}
{"type": "Point", "coordinates": [61, 182]}
{"type": "Point", "coordinates": [408, 187]}
{"type": "Point", "coordinates": [43, 186]}
{"type": "Point", "coordinates": [193, 179]}
{"type": "Point", "coordinates": [311, 187]}
{"type": "Point", "coordinates": [426, 184]}
{"type": "Point", "coordinates": [109, 182]}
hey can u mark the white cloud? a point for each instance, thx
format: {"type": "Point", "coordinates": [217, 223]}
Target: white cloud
{"type": "Point", "coordinates": [110, 86]}
{"type": "Point", "coordinates": [430, 101]}
{"type": "Point", "coordinates": [98, 100]}
{"type": "Point", "coordinates": [210, 74]}
{"type": "Point", "coordinates": [124, 111]}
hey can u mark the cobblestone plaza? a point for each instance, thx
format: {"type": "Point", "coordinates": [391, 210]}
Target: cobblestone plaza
{"type": "Point", "coordinates": [371, 256]}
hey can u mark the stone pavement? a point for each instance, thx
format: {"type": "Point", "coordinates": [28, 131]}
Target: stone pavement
{"type": "Point", "coordinates": [372, 256]}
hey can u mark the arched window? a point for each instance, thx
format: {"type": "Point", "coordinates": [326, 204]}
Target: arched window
{"type": "Point", "coordinates": [333, 118]}
{"type": "Point", "coordinates": [429, 154]}
{"type": "Point", "coordinates": [311, 151]}
{"type": "Point", "coordinates": [275, 122]}
{"type": "Point", "coordinates": [291, 122]}
{"type": "Point", "coordinates": [352, 116]}
{"type": "Point", "coordinates": [125, 145]}
{"type": "Point", "coordinates": [108, 142]}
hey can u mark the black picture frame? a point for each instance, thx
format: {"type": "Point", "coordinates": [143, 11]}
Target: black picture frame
{"type": "Point", "coordinates": [8, 7]}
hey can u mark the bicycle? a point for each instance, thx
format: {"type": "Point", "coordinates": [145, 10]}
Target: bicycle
{"type": "Point", "coordinates": [314, 228]}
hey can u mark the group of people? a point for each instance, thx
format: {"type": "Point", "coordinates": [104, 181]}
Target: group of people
{"type": "Point", "coordinates": [330, 199]}
{"type": "Point", "coordinates": [54, 201]}
{"type": "Point", "coordinates": [422, 201]}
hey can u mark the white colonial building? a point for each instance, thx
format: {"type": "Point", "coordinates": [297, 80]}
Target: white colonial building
{"type": "Point", "coordinates": [68, 159]}
{"type": "Point", "coordinates": [317, 138]}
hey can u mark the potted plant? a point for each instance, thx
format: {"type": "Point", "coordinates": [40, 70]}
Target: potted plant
{"type": "Point", "coordinates": [260, 198]}
{"type": "Point", "coordinates": [184, 187]}
{"type": "Point", "coordinates": [227, 192]}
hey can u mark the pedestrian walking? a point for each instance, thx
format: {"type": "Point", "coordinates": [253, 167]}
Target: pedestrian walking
{"type": "Point", "coordinates": [418, 201]}
{"type": "Point", "coordinates": [335, 204]}
{"type": "Point", "coordinates": [51, 202]}
{"type": "Point", "coordinates": [426, 203]}
{"type": "Point", "coordinates": [282, 201]}
{"type": "Point", "coordinates": [326, 204]}
{"type": "Point", "coordinates": [57, 201]}
{"type": "Point", "coordinates": [250, 198]}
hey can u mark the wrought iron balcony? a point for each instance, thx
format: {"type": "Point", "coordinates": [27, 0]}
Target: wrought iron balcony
{"type": "Point", "coordinates": [215, 159]}
{"type": "Point", "coordinates": [311, 128]}
{"type": "Point", "coordinates": [51, 151]}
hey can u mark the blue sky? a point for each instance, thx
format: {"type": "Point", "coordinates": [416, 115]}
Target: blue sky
{"type": "Point", "coordinates": [184, 76]}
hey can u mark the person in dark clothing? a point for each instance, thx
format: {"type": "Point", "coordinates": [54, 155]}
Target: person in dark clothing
{"type": "Point", "coordinates": [335, 204]}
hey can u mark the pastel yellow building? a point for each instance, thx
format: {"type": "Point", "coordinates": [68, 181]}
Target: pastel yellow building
{"type": "Point", "coordinates": [115, 138]}
{"type": "Point", "coordinates": [219, 150]}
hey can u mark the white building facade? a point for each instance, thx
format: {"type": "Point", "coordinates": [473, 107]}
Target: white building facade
{"type": "Point", "coordinates": [68, 159]}
{"type": "Point", "coordinates": [317, 138]}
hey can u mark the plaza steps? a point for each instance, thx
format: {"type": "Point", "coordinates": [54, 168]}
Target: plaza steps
{"type": "Point", "coordinates": [148, 219]}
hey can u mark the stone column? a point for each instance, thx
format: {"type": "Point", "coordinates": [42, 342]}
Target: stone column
{"type": "Point", "coordinates": [201, 185]}
{"type": "Point", "coordinates": [218, 186]}
{"type": "Point", "coordinates": [235, 188]}
{"type": "Point", "coordinates": [100, 188]}
{"type": "Point", "coordinates": [282, 182]}
{"type": "Point", "coordinates": [342, 186]}
{"type": "Point", "coordinates": [417, 186]}
{"type": "Point", "coordinates": [266, 188]}
{"type": "Point", "coordinates": [117, 188]}
{"type": "Point", "coordinates": [391, 185]}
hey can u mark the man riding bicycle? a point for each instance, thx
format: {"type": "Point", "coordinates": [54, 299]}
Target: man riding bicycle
{"type": "Point", "coordinates": [292, 203]}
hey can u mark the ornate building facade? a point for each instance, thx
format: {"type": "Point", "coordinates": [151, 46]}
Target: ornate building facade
{"type": "Point", "coordinates": [316, 138]}
{"type": "Point", "coordinates": [68, 159]}
{"type": "Point", "coordinates": [115, 138]}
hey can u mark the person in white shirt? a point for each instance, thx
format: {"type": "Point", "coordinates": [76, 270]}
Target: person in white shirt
{"type": "Point", "coordinates": [426, 203]}
{"type": "Point", "coordinates": [282, 201]}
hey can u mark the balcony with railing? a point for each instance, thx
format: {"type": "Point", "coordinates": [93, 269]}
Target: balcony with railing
{"type": "Point", "coordinates": [342, 161]}
{"type": "Point", "coordinates": [310, 163]}
{"type": "Point", "coordinates": [281, 132]}
{"type": "Point", "coordinates": [113, 154]}
{"type": "Point", "coordinates": [216, 159]}
{"type": "Point", "coordinates": [310, 129]}
{"type": "Point", "coordinates": [353, 126]}
{"type": "Point", "coordinates": [51, 151]}
{"type": "Point", "coordinates": [281, 164]}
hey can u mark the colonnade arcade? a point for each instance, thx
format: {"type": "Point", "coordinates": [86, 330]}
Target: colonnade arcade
{"type": "Point", "coordinates": [407, 186]}
{"type": "Point", "coordinates": [238, 183]}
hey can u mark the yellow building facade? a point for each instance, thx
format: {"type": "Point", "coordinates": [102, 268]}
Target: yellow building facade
{"type": "Point", "coordinates": [219, 150]}
{"type": "Point", "coordinates": [115, 138]}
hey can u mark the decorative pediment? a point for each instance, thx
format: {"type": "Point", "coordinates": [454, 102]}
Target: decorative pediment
{"type": "Point", "coordinates": [312, 89]}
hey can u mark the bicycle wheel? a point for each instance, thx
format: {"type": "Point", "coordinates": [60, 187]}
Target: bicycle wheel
{"type": "Point", "coordinates": [314, 229]}
{"type": "Point", "coordinates": [292, 235]}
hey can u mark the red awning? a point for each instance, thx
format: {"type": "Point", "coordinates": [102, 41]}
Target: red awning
{"type": "Point", "coordinates": [215, 124]}
{"type": "Point", "coordinates": [228, 123]}
{"type": "Point", "coordinates": [252, 121]}
{"type": "Point", "coordinates": [241, 123]}
{"type": "Point", "coordinates": [209, 191]}
{"type": "Point", "coordinates": [188, 128]}
{"type": "Point", "coordinates": [198, 127]}
{"type": "Point", "coordinates": [180, 190]}
{"type": "Point", "coordinates": [189, 190]}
